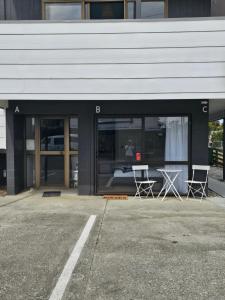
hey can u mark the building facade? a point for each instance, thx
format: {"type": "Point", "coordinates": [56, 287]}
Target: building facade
{"type": "Point", "coordinates": [95, 87]}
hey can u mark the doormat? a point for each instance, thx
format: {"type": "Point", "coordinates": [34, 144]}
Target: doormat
{"type": "Point", "coordinates": [115, 197]}
{"type": "Point", "coordinates": [51, 194]}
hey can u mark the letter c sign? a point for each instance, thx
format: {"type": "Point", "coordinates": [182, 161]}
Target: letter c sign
{"type": "Point", "coordinates": [205, 109]}
{"type": "Point", "coordinates": [204, 106]}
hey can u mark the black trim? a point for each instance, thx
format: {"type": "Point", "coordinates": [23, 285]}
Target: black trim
{"type": "Point", "coordinates": [86, 112]}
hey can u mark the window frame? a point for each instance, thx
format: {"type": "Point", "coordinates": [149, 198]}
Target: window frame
{"type": "Point", "coordinates": [85, 16]}
{"type": "Point", "coordinates": [87, 2]}
{"type": "Point", "coordinates": [44, 2]}
{"type": "Point", "coordinates": [135, 9]}
{"type": "Point", "coordinates": [165, 7]}
{"type": "Point", "coordinates": [187, 162]}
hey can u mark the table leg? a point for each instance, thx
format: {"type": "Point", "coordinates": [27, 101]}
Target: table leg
{"type": "Point", "coordinates": [171, 186]}
{"type": "Point", "coordinates": [164, 185]}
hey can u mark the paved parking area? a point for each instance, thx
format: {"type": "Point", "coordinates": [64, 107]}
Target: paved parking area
{"type": "Point", "coordinates": [136, 250]}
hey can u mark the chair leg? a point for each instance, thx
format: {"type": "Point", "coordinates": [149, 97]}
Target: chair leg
{"type": "Point", "coordinates": [152, 191]}
{"type": "Point", "coordinates": [203, 192]}
{"type": "Point", "coordinates": [146, 190]}
{"type": "Point", "coordinates": [149, 190]}
{"type": "Point", "coordinates": [137, 191]}
{"type": "Point", "coordinates": [200, 190]}
{"type": "Point", "coordinates": [189, 190]}
{"type": "Point", "coordinates": [193, 192]}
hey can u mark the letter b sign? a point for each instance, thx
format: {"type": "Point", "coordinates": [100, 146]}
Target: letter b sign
{"type": "Point", "coordinates": [97, 109]}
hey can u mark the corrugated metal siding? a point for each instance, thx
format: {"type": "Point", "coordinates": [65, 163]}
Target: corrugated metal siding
{"type": "Point", "coordinates": [173, 59]}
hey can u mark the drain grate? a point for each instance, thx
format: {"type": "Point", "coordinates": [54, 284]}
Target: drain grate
{"type": "Point", "coordinates": [51, 194]}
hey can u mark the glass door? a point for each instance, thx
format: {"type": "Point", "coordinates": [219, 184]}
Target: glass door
{"type": "Point", "coordinates": [52, 151]}
{"type": "Point", "coordinates": [56, 151]}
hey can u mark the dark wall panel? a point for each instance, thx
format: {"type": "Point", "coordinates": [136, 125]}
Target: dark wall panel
{"type": "Point", "coordinates": [85, 110]}
{"type": "Point", "coordinates": [23, 9]}
{"type": "Point", "coordinates": [10, 158]}
{"type": "Point", "coordinates": [189, 8]}
{"type": "Point", "coordinates": [86, 152]}
{"type": "Point", "coordinates": [2, 9]}
{"type": "Point", "coordinates": [2, 169]}
{"type": "Point", "coordinates": [15, 152]}
{"type": "Point", "coordinates": [19, 142]}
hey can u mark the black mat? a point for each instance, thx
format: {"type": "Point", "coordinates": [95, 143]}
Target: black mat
{"type": "Point", "coordinates": [51, 194]}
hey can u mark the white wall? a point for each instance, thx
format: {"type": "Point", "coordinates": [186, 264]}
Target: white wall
{"type": "Point", "coordinates": [166, 59]}
{"type": "Point", "coordinates": [2, 129]}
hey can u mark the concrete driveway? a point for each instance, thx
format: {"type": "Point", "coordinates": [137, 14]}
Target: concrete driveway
{"type": "Point", "coordinates": [136, 249]}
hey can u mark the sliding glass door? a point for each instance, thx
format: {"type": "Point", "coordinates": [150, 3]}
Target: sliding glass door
{"type": "Point", "coordinates": [124, 141]}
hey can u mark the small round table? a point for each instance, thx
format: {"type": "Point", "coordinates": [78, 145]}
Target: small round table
{"type": "Point", "coordinates": [170, 176]}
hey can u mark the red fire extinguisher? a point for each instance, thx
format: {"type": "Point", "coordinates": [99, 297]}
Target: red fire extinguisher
{"type": "Point", "coordinates": [138, 156]}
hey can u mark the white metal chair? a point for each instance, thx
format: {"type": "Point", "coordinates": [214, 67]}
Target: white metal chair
{"type": "Point", "coordinates": [195, 186]}
{"type": "Point", "coordinates": [145, 185]}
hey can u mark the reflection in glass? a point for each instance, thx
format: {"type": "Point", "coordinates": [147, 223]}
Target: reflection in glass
{"type": "Point", "coordinates": [176, 143]}
{"type": "Point", "coordinates": [166, 139]}
{"type": "Point", "coordinates": [119, 141]}
{"type": "Point", "coordinates": [74, 171]}
{"type": "Point", "coordinates": [74, 134]}
{"type": "Point", "coordinates": [30, 170]}
{"type": "Point", "coordinates": [107, 10]}
{"type": "Point", "coordinates": [152, 9]}
{"type": "Point", "coordinates": [30, 148]}
{"type": "Point", "coordinates": [30, 134]}
{"type": "Point", "coordinates": [63, 11]}
{"type": "Point", "coordinates": [154, 141]}
{"type": "Point", "coordinates": [87, 10]}
{"type": "Point", "coordinates": [52, 134]}
{"type": "Point", "coordinates": [131, 10]}
{"type": "Point", "coordinates": [52, 170]}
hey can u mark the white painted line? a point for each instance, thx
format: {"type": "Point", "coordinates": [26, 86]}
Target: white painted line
{"type": "Point", "coordinates": [65, 276]}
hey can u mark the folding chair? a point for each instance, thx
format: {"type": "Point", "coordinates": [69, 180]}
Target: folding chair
{"type": "Point", "coordinates": [195, 186]}
{"type": "Point", "coordinates": [144, 186]}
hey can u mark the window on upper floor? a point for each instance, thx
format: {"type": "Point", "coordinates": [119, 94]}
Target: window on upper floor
{"type": "Point", "coordinates": [64, 10]}
{"type": "Point", "coordinates": [131, 9]}
{"type": "Point", "coordinates": [152, 9]}
{"type": "Point", "coordinates": [105, 9]}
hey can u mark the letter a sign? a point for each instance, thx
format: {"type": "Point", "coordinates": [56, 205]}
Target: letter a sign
{"type": "Point", "coordinates": [17, 109]}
